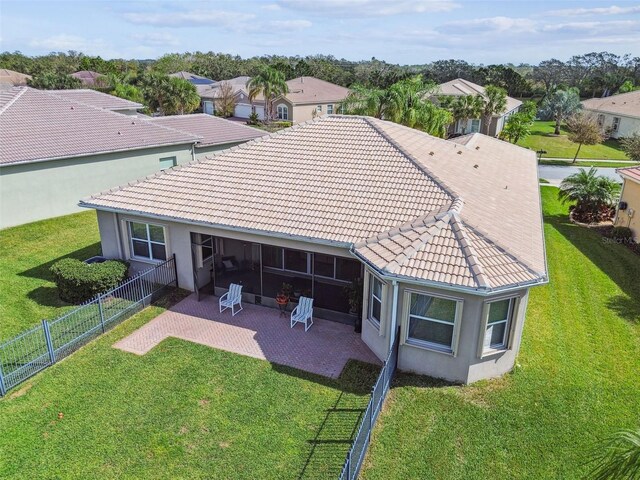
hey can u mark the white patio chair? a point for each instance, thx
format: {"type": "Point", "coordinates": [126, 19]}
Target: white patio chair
{"type": "Point", "coordinates": [232, 298]}
{"type": "Point", "coordinates": [303, 313]}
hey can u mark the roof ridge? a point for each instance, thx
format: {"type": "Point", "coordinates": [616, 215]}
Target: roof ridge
{"type": "Point", "coordinates": [470, 254]}
{"type": "Point", "coordinates": [451, 192]}
{"type": "Point", "coordinates": [12, 101]}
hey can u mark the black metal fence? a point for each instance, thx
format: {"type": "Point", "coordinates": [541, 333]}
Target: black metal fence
{"type": "Point", "coordinates": [358, 450]}
{"type": "Point", "coordinates": [40, 347]}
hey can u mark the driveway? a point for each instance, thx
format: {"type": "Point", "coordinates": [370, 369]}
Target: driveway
{"type": "Point", "coordinates": [555, 174]}
{"type": "Point", "coordinates": [256, 331]}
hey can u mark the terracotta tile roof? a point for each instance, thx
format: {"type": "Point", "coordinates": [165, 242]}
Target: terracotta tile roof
{"type": "Point", "coordinates": [89, 77]}
{"type": "Point", "coordinates": [632, 173]}
{"type": "Point", "coordinates": [314, 90]}
{"type": "Point", "coordinates": [460, 87]}
{"type": "Point", "coordinates": [38, 125]}
{"type": "Point", "coordinates": [98, 99]}
{"type": "Point", "coordinates": [409, 204]}
{"type": "Point", "coordinates": [627, 104]}
{"type": "Point", "coordinates": [213, 130]}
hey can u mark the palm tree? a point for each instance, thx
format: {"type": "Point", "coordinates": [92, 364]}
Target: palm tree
{"type": "Point", "coordinates": [494, 103]}
{"type": "Point", "coordinates": [270, 83]}
{"type": "Point", "coordinates": [560, 105]}
{"type": "Point", "coordinates": [620, 457]}
{"type": "Point", "coordinates": [594, 195]}
{"type": "Point", "coordinates": [466, 107]}
{"type": "Point", "coordinates": [372, 102]}
{"type": "Point", "coordinates": [182, 97]}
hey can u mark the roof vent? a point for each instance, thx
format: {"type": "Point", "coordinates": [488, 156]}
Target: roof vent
{"type": "Point", "coordinates": [133, 122]}
{"type": "Point", "coordinates": [431, 153]}
{"type": "Point", "coordinates": [459, 152]}
{"type": "Point", "coordinates": [478, 147]}
{"type": "Point", "coordinates": [72, 107]}
{"type": "Point", "coordinates": [476, 166]}
{"type": "Point", "coordinates": [119, 133]}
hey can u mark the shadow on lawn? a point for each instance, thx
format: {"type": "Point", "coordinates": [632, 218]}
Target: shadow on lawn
{"type": "Point", "coordinates": [616, 261]}
{"type": "Point", "coordinates": [42, 271]}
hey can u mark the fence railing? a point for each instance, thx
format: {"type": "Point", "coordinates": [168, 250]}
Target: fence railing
{"type": "Point", "coordinates": [358, 450]}
{"type": "Point", "coordinates": [40, 347]}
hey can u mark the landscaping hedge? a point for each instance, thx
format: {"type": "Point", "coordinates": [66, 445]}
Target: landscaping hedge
{"type": "Point", "coordinates": [78, 282]}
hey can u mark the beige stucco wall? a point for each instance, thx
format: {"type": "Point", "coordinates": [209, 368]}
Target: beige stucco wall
{"type": "Point", "coordinates": [301, 113]}
{"type": "Point", "coordinates": [631, 195]}
{"type": "Point", "coordinates": [35, 191]}
{"type": "Point", "coordinates": [627, 127]}
{"type": "Point", "coordinates": [468, 365]}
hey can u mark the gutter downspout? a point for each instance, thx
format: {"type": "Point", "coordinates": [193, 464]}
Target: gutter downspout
{"type": "Point", "coordinates": [393, 326]}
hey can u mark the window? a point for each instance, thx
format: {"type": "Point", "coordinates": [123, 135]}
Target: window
{"type": "Point", "coordinates": [432, 321]}
{"type": "Point", "coordinates": [330, 109]}
{"type": "Point", "coordinates": [496, 336]}
{"type": "Point", "coordinates": [207, 107]}
{"type": "Point", "coordinates": [601, 120]}
{"type": "Point", "coordinates": [283, 112]}
{"type": "Point", "coordinates": [167, 162]}
{"type": "Point", "coordinates": [475, 125]}
{"type": "Point", "coordinates": [375, 300]}
{"type": "Point", "coordinates": [616, 124]}
{"type": "Point", "coordinates": [147, 241]}
{"type": "Point", "coordinates": [319, 108]}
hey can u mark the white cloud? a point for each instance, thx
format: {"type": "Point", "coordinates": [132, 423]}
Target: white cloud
{"type": "Point", "coordinates": [489, 25]}
{"type": "Point", "coordinates": [274, 7]}
{"type": "Point", "coordinates": [190, 18]}
{"type": "Point", "coordinates": [369, 8]}
{"type": "Point", "coordinates": [156, 39]}
{"type": "Point", "coordinates": [593, 28]}
{"type": "Point", "coordinates": [612, 10]}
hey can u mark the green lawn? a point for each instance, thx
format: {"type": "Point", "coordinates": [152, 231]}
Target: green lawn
{"type": "Point", "coordinates": [27, 294]}
{"type": "Point", "coordinates": [181, 411]}
{"type": "Point", "coordinates": [576, 379]}
{"type": "Point", "coordinates": [542, 138]}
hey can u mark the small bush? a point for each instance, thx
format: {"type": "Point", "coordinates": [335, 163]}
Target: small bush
{"type": "Point", "coordinates": [78, 282]}
{"type": "Point", "coordinates": [623, 234]}
{"type": "Point", "coordinates": [253, 119]}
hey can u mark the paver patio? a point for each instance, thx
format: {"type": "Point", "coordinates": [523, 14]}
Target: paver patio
{"type": "Point", "coordinates": [256, 331]}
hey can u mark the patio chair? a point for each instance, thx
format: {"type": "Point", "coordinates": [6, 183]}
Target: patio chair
{"type": "Point", "coordinates": [232, 298]}
{"type": "Point", "coordinates": [303, 313]}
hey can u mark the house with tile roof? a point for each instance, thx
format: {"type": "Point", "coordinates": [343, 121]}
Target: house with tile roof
{"type": "Point", "coordinates": [101, 100]}
{"type": "Point", "coordinates": [442, 239]}
{"type": "Point", "coordinates": [461, 87]}
{"type": "Point", "coordinates": [91, 79]}
{"type": "Point", "coordinates": [628, 211]}
{"type": "Point", "coordinates": [618, 115]}
{"type": "Point", "coordinates": [201, 83]}
{"type": "Point", "coordinates": [11, 78]}
{"type": "Point", "coordinates": [54, 146]}
{"type": "Point", "coordinates": [243, 107]}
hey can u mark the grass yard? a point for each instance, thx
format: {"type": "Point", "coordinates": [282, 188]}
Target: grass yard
{"type": "Point", "coordinates": [542, 138]}
{"type": "Point", "coordinates": [576, 380]}
{"type": "Point", "coordinates": [27, 294]}
{"type": "Point", "coordinates": [181, 411]}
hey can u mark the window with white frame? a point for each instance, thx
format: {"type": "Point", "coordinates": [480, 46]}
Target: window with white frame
{"type": "Point", "coordinates": [475, 125]}
{"type": "Point", "coordinates": [167, 162]}
{"type": "Point", "coordinates": [499, 315]}
{"type": "Point", "coordinates": [330, 109]}
{"type": "Point", "coordinates": [432, 321]}
{"type": "Point", "coordinates": [147, 241]}
{"type": "Point", "coordinates": [283, 112]}
{"type": "Point", "coordinates": [319, 108]}
{"type": "Point", "coordinates": [616, 124]}
{"type": "Point", "coordinates": [375, 300]}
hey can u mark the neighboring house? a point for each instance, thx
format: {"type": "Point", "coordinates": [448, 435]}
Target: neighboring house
{"type": "Point", "coordinates": [53, 149]}
{"type": "Point", "coordinates": [628, 212]}
{"type": "Point", "coordinates": [101, 100]}
{"type": "Point", "coordinates": [10, 78]}
{"type": "Point", "coordinates": [243, 107]}
{"type": "Point", "coordinates": [309, 97]}
{"type": "Point", "coordinates": [90, 78]}
{"type": "Point", "coordinates": [461, 87]}
{"type": "Point", "coordinates": [446, 236]}
{"type": "Point", "coordinates": [618, 115]}
{"type": "Point", "coordinates": [201, 83]}
{"type": "Point", "coordinates": [215, 133]}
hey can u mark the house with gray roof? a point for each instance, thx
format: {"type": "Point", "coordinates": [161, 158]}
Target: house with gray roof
{"type": "Point", "coordinates": [53, 147]}
{"type": "Point", "coordinates": [442, 239]}
{"type": "Point", "coordinates": [461, 87]}
{"type": "Point", "coordinates": [101, 100]}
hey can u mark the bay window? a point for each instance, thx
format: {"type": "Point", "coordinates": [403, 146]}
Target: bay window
{"type": "Point", "coordinates": [432, 321]}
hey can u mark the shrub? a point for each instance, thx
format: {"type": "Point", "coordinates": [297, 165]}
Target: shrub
{"type": "Point", "coordinates": [78, 282]}
{"type": "Point", "coordinates": [622, 234]}
{"type": "Point", "coordinates": [253, 119]}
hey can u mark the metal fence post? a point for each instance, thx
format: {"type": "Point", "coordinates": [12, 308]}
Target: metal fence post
{"type": "Point", "coordinates": [47, 337]}
{"type": "Point", "coordinates": [101, 312]}
{"type": "Point", "coordinates": [349, 464]}
{"type": "Point", "coordinates": [175, 270]}
{"type": "Point", "coordinates": [3, 390]}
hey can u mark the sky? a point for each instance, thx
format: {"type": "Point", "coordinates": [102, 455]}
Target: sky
{"type": "Point", "coordinates": [397, 31]}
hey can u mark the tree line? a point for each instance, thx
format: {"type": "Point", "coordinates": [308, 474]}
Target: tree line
{"type": "Point", "coordinates": [593, 74]}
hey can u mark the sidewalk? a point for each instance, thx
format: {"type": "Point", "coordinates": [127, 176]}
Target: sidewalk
{"type": "Point", "coordinates": [570, 160]}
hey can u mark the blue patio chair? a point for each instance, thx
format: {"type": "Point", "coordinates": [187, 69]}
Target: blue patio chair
{"type": "Point", "coordinates": [303, 313]}
{"type": "Point", "coordinates": [232, 298]}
